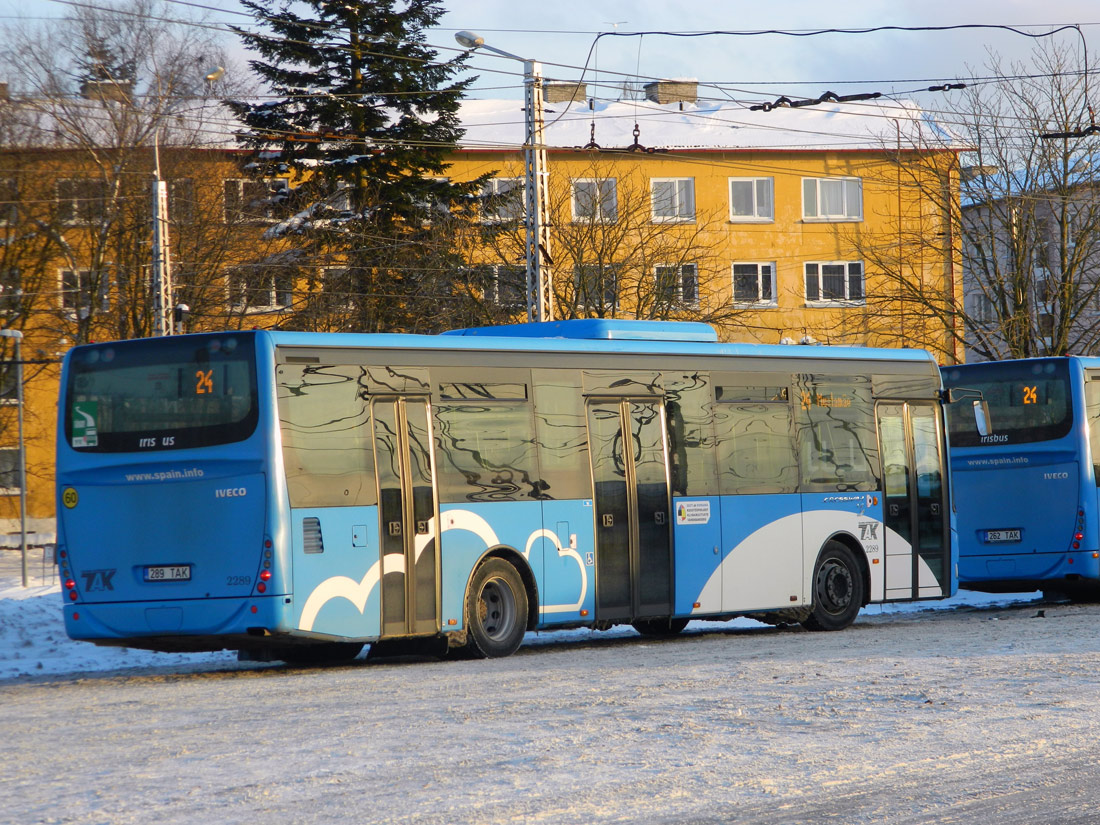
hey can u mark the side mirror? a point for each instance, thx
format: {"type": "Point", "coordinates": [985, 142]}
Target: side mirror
{"type": "Point", "coordinates": [981, 417]}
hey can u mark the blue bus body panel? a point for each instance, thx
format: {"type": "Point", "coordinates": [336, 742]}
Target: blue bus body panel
{"type": "Point", "coordinates": [337, 587]}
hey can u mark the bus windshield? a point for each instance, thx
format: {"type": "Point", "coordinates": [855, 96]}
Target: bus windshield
{"type": "Point", "coordinates": [161, 394]}
{"type": "Point", "coordinates": [1028, 401]}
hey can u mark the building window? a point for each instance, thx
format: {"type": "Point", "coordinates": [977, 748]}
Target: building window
{"type": "Point", "coordinates": [752, 199]}
{"type": "Point", "coordinates": [673, 200]}
{"type": "Point", "coordinates": [336, 287]}
{"type": "Point", "coordinates": [754, 283]}
{"type": "Point", "coordinates": [9, 199]}
{"type": "Point", "coordinates": [261, 289]}
{"type": "Point", "coordinates": [11, 291]}
{"type": "Point", "coordinates": [253, 201]}
{"type": "Point", "coordinates": [677, 284]}
{"type": "Point", "coordinates": [77, 288]}
{"type": "Point", "coordinates": [832, 199]}
{"type": "Point", "coordinates": [595, 200]}
{"type": "Point", "coordinates": [81, 201]}
{"type": "Point", "coordinates": [502, 200]}
{"type": "Point", "coordinates": [181, 201]}
{"type": "Point", "coordinates": [830, 282]}
{"type": "Point", "coordinates": [597, 287]}
{"type": "Point", "coordinates": [509, 286]}
{"type": "Point", "coordinates": [9, 471]}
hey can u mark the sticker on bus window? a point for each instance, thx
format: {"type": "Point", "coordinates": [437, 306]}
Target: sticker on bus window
{"type": "Point", "coordinates": [84, 426]}
{"type": "Point", "coordinates": [693, 512]}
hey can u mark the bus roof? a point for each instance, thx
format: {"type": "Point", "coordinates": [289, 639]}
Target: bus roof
{"type": "Point", "coordinates": [593, 336]}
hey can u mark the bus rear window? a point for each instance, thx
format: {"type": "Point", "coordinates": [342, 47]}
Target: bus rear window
{"type": "Point", "coordinates": [1028, 401]}
{"type": "Point", "coordinates": [161, 393]}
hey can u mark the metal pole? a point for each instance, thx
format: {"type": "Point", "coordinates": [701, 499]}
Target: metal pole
{"type": "Point", "coordinates": [22, 457]}
{"type": "Point", "coordinates": [540, 294]}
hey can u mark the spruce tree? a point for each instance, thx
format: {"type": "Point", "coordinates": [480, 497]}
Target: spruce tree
{"type": "Point", "coordinates": [361, 115]}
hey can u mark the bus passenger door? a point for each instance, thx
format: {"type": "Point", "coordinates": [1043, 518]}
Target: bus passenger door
{"type": "Point", "coordinates": [634, 577]}
{"type": "Point", "coordinates": [407, 508]}
{"type": "Point", "coordinates": [914, 506]}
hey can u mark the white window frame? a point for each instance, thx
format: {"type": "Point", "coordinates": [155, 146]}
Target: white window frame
{"type": "Point", "coordinates": [682, 273]}
{"type": "Point", "coordinates": [500, 293]}
{"type": "Point", "coordinates": [13, 452]}
{"type": "Point", "coordinates": [11, 290]}
{"type": "Point", "coordinates": [496, 188]}
{"type": "Point", "coordinates": [69, 206]}
{"type": "Point", "coordinates": [262, 214]}
{"type": "Point", "coordinates": [850, 270]}
{"type": "Point", "coordinates": [849, 191]}
{"type": "Point", "coordinates": [609, 277]}
{"type": "Point", "coordinates": [600, 205]}
{"type": "Point", "coordinates": [279, 299]}
{"type": "Point", "coordinates": [763, 200]}
{"type": "Point", "coordinates": [676, 204]}
{"type": "Point", "coordinates": [765, 283]}
{"type": "Point", "coordinates": [70, 299]}
{"type": "Point", "coordinates": [341, 300]}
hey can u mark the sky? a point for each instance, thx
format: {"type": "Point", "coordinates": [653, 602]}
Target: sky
{"type": "Point", "coordinates": [562, 35]}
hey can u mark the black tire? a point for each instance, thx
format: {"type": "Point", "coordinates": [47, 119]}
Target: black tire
{"type": "Point", "coordinates": [838, 589]}
{"type": "Point", "coordinates": [322, 653]}
{"type": "Point", "coordinates": [659, 627]}
{"type": "Point", "coordinates": [496, 610]}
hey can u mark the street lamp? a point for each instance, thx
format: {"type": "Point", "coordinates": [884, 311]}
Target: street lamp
{"type": "Point", "coordinates": [17, 337]}
{"type": "Point", "coordinates": [540, 294]}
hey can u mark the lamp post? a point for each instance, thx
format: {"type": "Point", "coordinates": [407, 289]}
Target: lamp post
{"type": "Point", "coordinates": [540, 294]}
{"type": "Point", "coordinates": [17, 337]}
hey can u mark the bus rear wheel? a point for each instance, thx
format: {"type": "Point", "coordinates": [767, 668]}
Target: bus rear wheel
{"type": "Point", "coordinates": [496, 610]}
{"type": "Point", "coordinates": [659, 627]}
{"type": "Point", "coordinates": [838, 589]}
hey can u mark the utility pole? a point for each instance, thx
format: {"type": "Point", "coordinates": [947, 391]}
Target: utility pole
{"type": "Point", "coordinates": [162, 258]}
{"type": "Point", "coordinates": [540, 291]}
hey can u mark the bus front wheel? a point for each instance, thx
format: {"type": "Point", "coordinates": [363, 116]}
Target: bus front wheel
{"type": "Point", "coordinates": [496, 610]}
{"type": "Point", "coordinates": [838, 589]}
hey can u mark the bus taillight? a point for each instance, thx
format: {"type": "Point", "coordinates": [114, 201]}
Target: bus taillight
{"type": "Point", "coordinates": [266, 574]}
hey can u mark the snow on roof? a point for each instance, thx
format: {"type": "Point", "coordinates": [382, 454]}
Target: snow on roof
{"type": "Point", "coordinates": [499, 125]}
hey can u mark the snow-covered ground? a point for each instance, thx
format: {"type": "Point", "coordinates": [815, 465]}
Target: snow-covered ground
{"type": "Point", "coordinates": [33, 639]}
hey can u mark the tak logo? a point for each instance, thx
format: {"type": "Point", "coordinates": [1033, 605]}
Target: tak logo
{"type": "Point", "coordinates": [98, 580]}
{"type": "Point", "coordinates": [868, 531]}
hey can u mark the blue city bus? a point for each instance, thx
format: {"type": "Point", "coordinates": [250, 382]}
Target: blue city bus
{"type": "Point", "coordinates": [1026, 482]}
{"type": "Point", "coordinates": [294, 496]}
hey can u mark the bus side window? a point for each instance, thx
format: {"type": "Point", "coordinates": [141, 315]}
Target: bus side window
{"type": "Point", "coordinates": [755, 450]}
{"type": "Point", "coordinates": [837, 444]}
{"type": "Point", "coordinates": [688, 402]}
{"type": "Point", "coordinates": [1092, 415]}
{"type": "Point", "coordinates": [486, 452]}
{"type": "Point", "coordinates": [562, 434]}
{"type": "Point", "coordinates": [325, 421]}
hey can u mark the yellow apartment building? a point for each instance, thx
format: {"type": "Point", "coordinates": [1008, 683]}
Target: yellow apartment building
{"type": "Point", "coordinates": [790, 225]}
{"type": "Point", "coordinates": [795, 225]}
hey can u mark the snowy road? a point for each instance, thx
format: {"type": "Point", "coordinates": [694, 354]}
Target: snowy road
{"type": "Point", "coordinates": [963, 716]}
